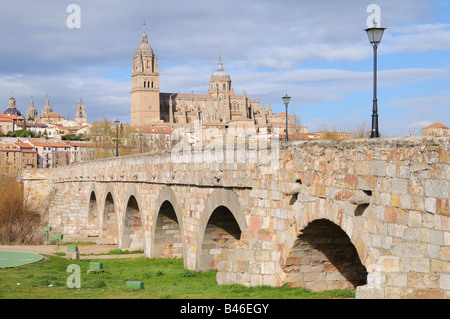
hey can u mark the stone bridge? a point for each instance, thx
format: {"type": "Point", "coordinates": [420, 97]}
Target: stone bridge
{"type": "Point", "coordinates": [370, 214]}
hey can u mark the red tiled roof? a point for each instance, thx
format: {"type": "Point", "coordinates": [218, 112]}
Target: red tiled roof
{"type": "Point", "coordinates": [282, 114]}
{"type": "Point", "coordinates": [24, 145]}
{"type": "Point", "coordinates": [48, 144]}
{"type": "Point", "coordinates": [436, 125]}
{"type": "Point", "coordinates": [13, 117]}
{"type": "Point", "coordinates": [82, 144]}
{"type": "Point", "coordinates": [52, 114]}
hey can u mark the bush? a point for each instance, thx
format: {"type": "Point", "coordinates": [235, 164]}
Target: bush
{"type": "Point", "coordinates": [18, 225]}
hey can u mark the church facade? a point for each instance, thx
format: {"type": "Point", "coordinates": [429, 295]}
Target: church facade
{"type": "Point", "coordinates": [220, 107]}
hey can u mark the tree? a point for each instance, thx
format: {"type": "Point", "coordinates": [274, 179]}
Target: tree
{"type": "Point", "coordinates": [296, 118]}
{"type": "Point", "coordinates": [22, 133]}
{"type": "Point", "coordinates": [18, 224]}
{"type": "Point", "coordinates": [360, 130]}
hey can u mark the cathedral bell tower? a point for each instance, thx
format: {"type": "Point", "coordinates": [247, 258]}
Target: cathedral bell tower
{"type": "Point", "coordinates": [145, 103]}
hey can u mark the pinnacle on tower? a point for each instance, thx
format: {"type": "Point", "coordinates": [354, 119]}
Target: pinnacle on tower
{"type": "Point", "coordinates": [144, 36]}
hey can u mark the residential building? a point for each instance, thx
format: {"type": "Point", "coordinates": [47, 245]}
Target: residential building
{"type": "Point", "coordinates": [10, 159]}
{"type": "Point", "coordinates": [29, 155]}
{"type": "Point", "coordinates": [6, 125]}
{"type": "Point", "coordinates": [436, 129]}
{"type": "Point", "coordinates": [50, 154]}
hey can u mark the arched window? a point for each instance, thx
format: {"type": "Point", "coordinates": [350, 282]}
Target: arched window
{"type": "Point", "coordinates": [145, 83]}
{"type": "Point", "coordinates": [224, 87]}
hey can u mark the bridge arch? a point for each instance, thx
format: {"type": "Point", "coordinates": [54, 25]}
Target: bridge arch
{"type": "Point", "coordinates": [110, 229]}
{"type": "Point", "coordinates": [133, 222]}
{"type": "Point", "coordinates": [326, 252]}
{"type": "Point", "coordinates": [323, 258]}
{"type": "Point", "coordinates": [93, 213]}
{"type": "Point", "coordinates": [167, 239]}
{"type": "Point", "coordinates": [221, 225]}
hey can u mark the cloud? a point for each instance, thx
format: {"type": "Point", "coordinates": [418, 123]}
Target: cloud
{"type": "Point", "coordinates": [420, 125]}
{"type": "Point", "coordinates": [418, 38]}
{"type": "Point", "coordinates": [441, 99]}
{"type": "Point", "coordinates": [317, 51]}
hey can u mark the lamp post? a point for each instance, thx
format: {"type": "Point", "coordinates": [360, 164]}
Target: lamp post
{"type": "Point", "coordinates": [286, 100]}
{"type": "Point", "coordinates": [117, 122]}
{"type": "Point", "coordinates": [140, 138]}
{"type": "Point", "coordinates": [375, 34]}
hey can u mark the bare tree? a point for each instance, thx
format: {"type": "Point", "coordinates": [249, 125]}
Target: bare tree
{"type": "Point", "coordinates": [18, 224]}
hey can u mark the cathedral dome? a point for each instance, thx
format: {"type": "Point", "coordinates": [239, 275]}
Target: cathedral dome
{"type": "Point", "coordinates": [220, 74]}
{"type": "Point", "coordinates": [11, 110]}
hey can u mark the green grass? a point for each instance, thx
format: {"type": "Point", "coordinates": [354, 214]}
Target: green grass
{"type": "Point", "coordinates": [163, 279]}
{"type": "Point", "coordinates": [124, 252]}
{"type": "Point", "coordinates": [87, 243]}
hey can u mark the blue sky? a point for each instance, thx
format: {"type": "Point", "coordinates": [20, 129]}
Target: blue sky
{"type": "Point", "coordinates": [315, 51]}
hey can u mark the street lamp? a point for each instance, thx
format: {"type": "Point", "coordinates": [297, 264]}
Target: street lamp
{"type": "Point", "coordinates": [375, 34]}
{"type": "Point", "coordinates": [117, 122]}
{"type": "Point", "coordinates": [286, 100]}
{"type": "Point", "coordinates": [140, 138]}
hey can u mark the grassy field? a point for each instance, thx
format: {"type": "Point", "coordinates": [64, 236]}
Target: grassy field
{"type": "Point", "coordinates": [163, 279]}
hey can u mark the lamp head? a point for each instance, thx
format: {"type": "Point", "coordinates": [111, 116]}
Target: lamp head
{"type": "Point", "coordinates": [286, 99]}
{"type": "Point", "coordinates": [375, 34]}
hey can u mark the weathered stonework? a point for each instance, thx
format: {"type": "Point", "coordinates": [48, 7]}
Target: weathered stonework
{"type": "Point", "coordinates": [370, 213]}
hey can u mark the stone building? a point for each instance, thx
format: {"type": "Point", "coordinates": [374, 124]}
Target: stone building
{"type": "Point", "coordinates": [51, 155]}
{"type": "Point", "coordinates": [436, 129]}
{"type": "Point", "coordinates": [10, 159]}
{"type": "Point", "coordinates": [29, 155]}
{"type": "Point", "coordinates": [16, 156]}
{"type": "Point", "coordinates": [80, 113]}
{"type": "Point", "coordinates": [220, 107]}
{"type": "Point", "coordinates": [6, 125]}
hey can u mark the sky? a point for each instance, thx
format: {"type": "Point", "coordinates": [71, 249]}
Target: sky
{"type": "Point", "coordinates": [317, 52]}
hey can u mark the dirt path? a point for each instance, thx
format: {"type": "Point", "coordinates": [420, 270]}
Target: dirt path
{"type": "Point", "coordinates": [96, 251]}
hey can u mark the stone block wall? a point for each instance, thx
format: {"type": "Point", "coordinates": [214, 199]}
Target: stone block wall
{"type": "Point", "coordinates": [389, 199]}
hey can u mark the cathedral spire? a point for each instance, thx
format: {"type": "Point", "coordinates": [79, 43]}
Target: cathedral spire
{"type": "Point", "coordinates": [144, 36]}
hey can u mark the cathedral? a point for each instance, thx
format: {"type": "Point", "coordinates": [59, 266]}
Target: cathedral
{"type": "Point", "coordinates": [221, 107]}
